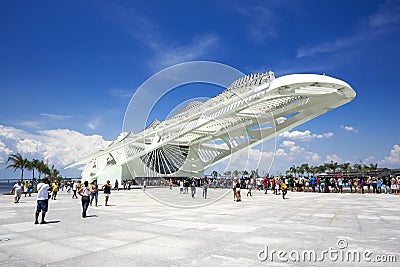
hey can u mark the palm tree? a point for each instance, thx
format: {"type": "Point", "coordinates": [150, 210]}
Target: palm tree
{"type": "Point", "coordinates": [305, 168]}
{"type": "Point", "coordinates": [314, 170]}
{"type": "Point", "coordinates": [32, 165]}
{"type": "Point", "coordinates": [17, 162]}
{"type": "Point", "coordinates": [322, 168]}
{"type": "Point", "coordinates": [54, 173]}
{"type": "Point", "coordinates": [300, 170]}
{"type": "Point", "coordinates": [293, 169]}
{"type": "Point", "coordinates": [362, 168]}
{"type": "Point", "coordinates": [373, 167]}
{"type": "Point", "coordinates": [345, 168]}
{"type": "Point", "coordinates": [332, 166]}
{"type": "Point", "coordinates": [42, 168]}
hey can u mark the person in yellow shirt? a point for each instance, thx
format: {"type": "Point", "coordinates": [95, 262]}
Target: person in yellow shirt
{"type": "Point", "coordinates": [284, 189]}
{"type": "Point", "coordinates": [54, 190]}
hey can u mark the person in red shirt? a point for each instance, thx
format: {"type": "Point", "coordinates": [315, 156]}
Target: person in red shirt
{"type": "Point", "coordinates": [266, 184]}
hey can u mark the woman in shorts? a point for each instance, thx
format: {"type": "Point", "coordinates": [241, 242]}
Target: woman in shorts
{"type": "Point", "coordinates": [107, 191]}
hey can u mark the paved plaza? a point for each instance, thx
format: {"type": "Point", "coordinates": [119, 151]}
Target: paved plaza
{"type": "Point", "coordinates": [137, 230]}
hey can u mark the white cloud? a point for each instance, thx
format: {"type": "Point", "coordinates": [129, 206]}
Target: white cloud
{"type": "Point", "coordinates": [369, 160]}
{"type": "Point", "coordinates": [29, 124]}
{"type": "Point", "coordinates": [60, 147]}
{"type": "Point", "coordinates": [304, 136]}
{"type": "Point", "coordinates": [4, 151]}
{"type": "Point", "coordinates": [334, 158]}
{"type": "Point", "coordinates": [349, 128]}
{"type": "Point", "coordinates": [384, 20]}
{"type": "Point", "coordinates": [286, 143]}
{"type": "Point", "coordinates": [56, 116]}
{"type": "Point", "coordinates": [262, 21]}
{"type": "Point", "coordinates": [387, 14]}
{"type": "Point", "coordinates": [121, 93]}
{"type": "Point", "coordinates": [394, 157]}
{"type": "Point", "coordinates": [94, 123]}
{"type": "Point", "coordinates": [199, 46]}
{"type": "Point", "coordinates": [145, 30]}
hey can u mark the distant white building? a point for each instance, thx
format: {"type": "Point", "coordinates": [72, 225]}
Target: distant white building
{"type": "Point", "coordinates": [250, 111]}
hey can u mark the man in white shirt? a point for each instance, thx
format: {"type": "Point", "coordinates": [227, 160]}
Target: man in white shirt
{"type": "Point", "coordinates": [42, 200]}
{"type": "Point", "coordinates": [17, 188]}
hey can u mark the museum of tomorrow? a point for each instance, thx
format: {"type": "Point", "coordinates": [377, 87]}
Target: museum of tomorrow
{"type": "Point", "coordinates": [253, 109]}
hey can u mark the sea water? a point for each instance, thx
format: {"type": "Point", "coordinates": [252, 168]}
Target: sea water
{"type": "Point", "coordinates": [6, 185]}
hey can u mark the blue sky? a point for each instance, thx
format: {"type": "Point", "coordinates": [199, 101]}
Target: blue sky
{"type": "Point", "coordinates": [69, 68]}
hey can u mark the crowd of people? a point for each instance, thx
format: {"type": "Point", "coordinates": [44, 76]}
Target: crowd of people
{"type": "Point", "coordinates": [277, 185]}
{"type": "Point", "coordinates": [47, 190]}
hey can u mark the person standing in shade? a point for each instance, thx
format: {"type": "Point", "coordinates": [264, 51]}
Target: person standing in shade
{"type": "Point", "coordinates": [85, 192]}
{"type": "Point", "coordinates": [95, 193]}
{"type": "Point", "coordinates": [180, 187]}
{"type": "Point", "coordinates": [17, 188]}
{"type": "Point", "coordinates": [193, 188]}
{"type": "Point", "coordinates": [144, 185]}
{"type": "Point", "coordinates": [42, 200]}
{"type": "Point", "coordinates": [205, 187]}
{"type": "Point", "coordinates": [107, 191]}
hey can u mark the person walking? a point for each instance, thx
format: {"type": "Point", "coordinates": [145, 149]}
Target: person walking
{"type": "Point", "coordinates": [107, 191]}
{"type": "Point", "coordinates": [26, 185]}
{"type": "Point", "coordinates": [85, 192]}
{"type": "Point", "coordinates": [237, 191]}
{"type": "Point", "coordinates": [74, 189]}
{"type": "Point", "coordinates": [54, 190]}
{"type": "Point", "coordinates": [116, 185]}
{"type": "Point", "coordinates": [17, 188]}
{"type": "Point", "coordinates": [42, 200]}
{"type": "Point", "coordinates": [249, 187]}
{"type": "Point", "coordinates": [95, 193]}
{"type": "Point", "coordinates": [284, 189]}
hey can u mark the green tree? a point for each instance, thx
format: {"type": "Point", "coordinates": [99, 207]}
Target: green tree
{"type": "Point", "coordinates": [305, 168]}
{"type": "Point", "coordinates": [42, 168]}
{"type": "Point", "coordinates": [373, 167]}
{"type": "Point", "coordinates": [322, 168]}
{"type": "Point", "coordinates": [313, 170]}
{"type": "Point", "coordinates": [333, 166]}
{"type": "Point", "coordinates": [345, 168]}
{"type": "Point", "coordinates": [293, 169]}
{"type": "Point", "coordinates": [32, 165]}
{"type": "Point", "coordinates": [17, 162]}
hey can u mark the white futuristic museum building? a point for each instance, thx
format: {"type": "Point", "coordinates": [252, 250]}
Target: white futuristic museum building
{"type": "Point", "coordinates": [253, 109]}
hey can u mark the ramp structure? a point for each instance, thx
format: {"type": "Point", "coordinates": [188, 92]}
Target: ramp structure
{"type": "Point", "coordinates": [250, 111]}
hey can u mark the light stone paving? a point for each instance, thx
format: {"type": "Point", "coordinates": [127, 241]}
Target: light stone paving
{"type": "Point", "coordinates": [136, 230]}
